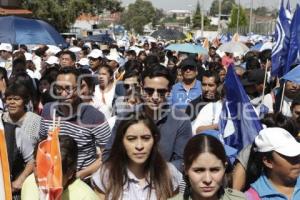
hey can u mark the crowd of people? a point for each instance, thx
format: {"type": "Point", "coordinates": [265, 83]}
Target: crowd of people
{"type": "Point", "coordinates": [142, 122]}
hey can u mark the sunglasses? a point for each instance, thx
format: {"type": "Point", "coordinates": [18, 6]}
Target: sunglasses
{"type": "Point", "coordinates": [69, 89]}
{"type": "Point", "coordinates": [130, 86]}
{"type": "Point", "coordinates": [188, 67]}
{"type": "Point", "coordinates": [160, 92]}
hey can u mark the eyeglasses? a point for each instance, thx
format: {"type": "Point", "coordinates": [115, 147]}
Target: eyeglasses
{"type": "Point", "coordinates": [68, 89]}
{"type": "Point", "coordinates": [188, 67]}
{"type": "Point", "coordinates": [160, 92]}
{"type": "Point", "coordinates": [130, 86]}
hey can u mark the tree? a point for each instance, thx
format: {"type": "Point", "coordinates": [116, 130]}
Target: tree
{"type": "Point", "coordinates": [225, 8]}
{"type": "Point", "coordinates": [261, 11]}
{"type": "Point", "coordinates": [159, 15]}
{"type": "Point", "coordinates": [234, 17]}
{"type": "Point", "coordinates": [197, 18]}
{"type": "Point", "coordinates": [138, 15]}
{"type": "Point", "coordinates": [62, 14]}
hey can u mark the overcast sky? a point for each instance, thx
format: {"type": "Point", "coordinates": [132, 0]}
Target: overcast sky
{"type": "Point", "coordinates": [191, 4]}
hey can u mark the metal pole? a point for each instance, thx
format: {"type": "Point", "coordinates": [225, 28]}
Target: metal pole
{"type": "Point", "coordinates": [220, 11]}
{"type": "Point", "coordinates": [251, 13]}
{"type": "Point", "coordinates": [238, 19]}
{"type": "Point", "coordinates": [202, 18]}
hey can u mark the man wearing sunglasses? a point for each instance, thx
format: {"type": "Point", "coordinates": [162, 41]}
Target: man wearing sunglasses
{"type": "Point", "coordinates": [189, 89]}
{"type": "Point", "coordinates": [174, 125]}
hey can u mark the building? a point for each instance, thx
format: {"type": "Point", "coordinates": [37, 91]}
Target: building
{"type": "Point", "coordinates": [12, 7]}
{"type": "Point", "coordinates": [179, 14]}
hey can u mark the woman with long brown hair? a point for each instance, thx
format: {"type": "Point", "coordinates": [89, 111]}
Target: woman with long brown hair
{"type": "Point", "coordinates": [135, 168]}
{"type": "Point", "coordinates": [205, 167]}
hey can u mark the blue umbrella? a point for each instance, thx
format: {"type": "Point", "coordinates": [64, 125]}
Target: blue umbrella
{"type": "Point", "coordinates": [19, 30]}
{"type": "Point", "coordinates": [256, 47]}
{"type": "Point", "coordinates": [293, 75]}
{"type": "Point", "coordinates": [101, 38]}
{"type": "Point", "coordinates": [187, 48]}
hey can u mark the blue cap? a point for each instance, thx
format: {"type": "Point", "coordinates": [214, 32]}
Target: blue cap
{"type": "Point", "coordinates": [230, 151]}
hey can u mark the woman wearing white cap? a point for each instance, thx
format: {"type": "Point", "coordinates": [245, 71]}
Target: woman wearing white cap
{"type": "Point", "coordinates": [274, 166]}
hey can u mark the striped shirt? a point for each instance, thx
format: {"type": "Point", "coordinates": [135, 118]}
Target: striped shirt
{"type": "Point", "coordinates": [88, 128]}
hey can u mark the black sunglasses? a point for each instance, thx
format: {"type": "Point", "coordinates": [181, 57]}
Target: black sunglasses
{"type": "Point", "coordinates": [160, 92]}
{"type": "Point", "coordinates": [129, 86]}
{"type": "Point", "coordinates": [190, 67]}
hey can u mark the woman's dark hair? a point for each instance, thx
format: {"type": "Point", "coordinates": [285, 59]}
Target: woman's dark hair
{"type": "Point", "coordinates": [17, 89]}
{"type": "Point", "coordinates": [108, 69]}
{"type": "Point", "coordinates": [133, 65]}
{"type": "Point", "coordinates": [252, 63]}
{"type": "Point", "coordinates": [88, 78]}
{"type": "Point", "coordinates": [279, 120]}
{"type": "Point", "coordinates": [151, 60]}
{"type": "Point", "coordinates": [118, 161]}
{"type": "Point", "coordinates": [255, 165]}
{"type": "Point", "coordinates": [23, 78]}
{"type": "Point", "coordinates": [197, 145]}
{"type": "Point", "coordinates": [3, 74]}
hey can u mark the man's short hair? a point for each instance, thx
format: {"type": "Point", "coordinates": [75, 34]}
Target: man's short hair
{"type": "Point", "coordinates": [70, 53]}
{"type": "Point", "coordinates": [211, 74]}
{"type": "Point", "coordinates": [158, 71]}
{"type": "Point", "coordinates": [69, 70]}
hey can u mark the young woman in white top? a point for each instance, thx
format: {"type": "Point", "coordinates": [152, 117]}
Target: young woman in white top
{"type": "Point", "coordinates": [135, 169]}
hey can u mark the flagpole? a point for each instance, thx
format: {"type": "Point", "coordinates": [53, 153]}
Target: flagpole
{"type": "Point", "coordinates": [265, 81]}
{"type": "Point", "coordinates": [282, 95]}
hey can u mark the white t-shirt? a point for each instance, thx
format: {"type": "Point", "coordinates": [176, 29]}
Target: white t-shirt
{"type": "Point", "coordinates": [208, 115]}
{"type": "Point", "coordinates": [104, 107]}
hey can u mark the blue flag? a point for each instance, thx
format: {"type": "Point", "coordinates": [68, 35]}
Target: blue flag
{"type": "Point", "coordinates": [282, 36]}
{"type": "Point", "coordinates": [294, 40]}
{"type": "Point", "coordinates": [238, 122]}
{"type": "Point", "coordinates": [293, 75]}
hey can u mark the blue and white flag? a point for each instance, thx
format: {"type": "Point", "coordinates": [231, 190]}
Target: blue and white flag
{"type": "Point", "coordinates": [238, 122]}
{"type": "Point", "coordinates": [293, 75]}
{"type": "Point", "coordinates": [294, 44]}
{"type": "Point", "coordinates": [282, 36]}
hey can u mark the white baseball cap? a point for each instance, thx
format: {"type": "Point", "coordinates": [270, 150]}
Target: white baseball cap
{"type": "Point", "coordinates": [279, 140]}
{"type": "Point", "coordinates": [95, 53]}
{"type": "Point", "coordinates": [83, 62]}
{"type": "Point", "coordinates": [28, 56]}
{"type": "Point", "coordinates": [52, 60]}
{"type": "Point", "coordinates": [5, 47]}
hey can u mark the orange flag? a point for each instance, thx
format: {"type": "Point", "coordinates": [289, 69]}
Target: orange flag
{"type": "Point", "coordinates": [206, 44]}
{"type": "Point", "coordinates": [5, 185]}
{"type": "Point", "coordinates": [49, 169]}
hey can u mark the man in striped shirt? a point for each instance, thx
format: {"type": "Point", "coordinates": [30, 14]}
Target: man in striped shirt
{"type": "Point", "coordinates": [83, 122]}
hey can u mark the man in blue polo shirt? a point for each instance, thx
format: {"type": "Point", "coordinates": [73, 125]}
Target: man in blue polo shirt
{"type": "Point", "coordinates": [187, 90]}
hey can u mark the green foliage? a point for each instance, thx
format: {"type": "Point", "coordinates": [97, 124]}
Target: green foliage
{"type": "Point", "coordinates": [261, 11]}
{"type": "Point", "coordinates": [138, 15]}
{"type": "Point", "coordinates": [197, 18]}
{"type": "Point", "coordinates": [225, 8]}
{"type": "Point", "coordinates": [234, 17]}
{"type": "Point", "coordinates": [158, 17]}
{"type": "Point", "coordinates": [62, 14]}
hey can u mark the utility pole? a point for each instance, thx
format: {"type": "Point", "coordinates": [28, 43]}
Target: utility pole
{"type": "Point", "coordinates": [202, 19]}
{"type": "Point", "coordinates": [220, 11]}
{"type": "Point", "coordinates": [251, 13]}
{"type": "Point", "coordinates": [238, 19]}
